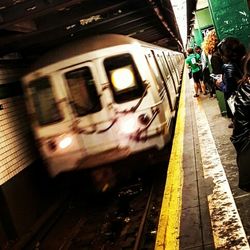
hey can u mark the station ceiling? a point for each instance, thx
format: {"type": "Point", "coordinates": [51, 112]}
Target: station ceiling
{"type": "Point", "coordinates": [31, 27]}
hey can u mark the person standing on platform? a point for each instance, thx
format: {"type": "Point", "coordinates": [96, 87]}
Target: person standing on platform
{"type": "Point", "coordinates": [232, 52]}
{"type": "Point", "coordinates": [241, 131]}
{"type": "Point", "coordinates": [201, 62]}
{"type": "Point", "coordinates": [198, 50]}
{"type": "Point", "coordinates": [206, 72]}
{"type": "Point", "coordinates": [214, 59]}
{"type": "Point", "coordinates": [192, 62]}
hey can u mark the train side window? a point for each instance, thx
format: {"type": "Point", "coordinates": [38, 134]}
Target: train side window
{"type": "Point", "coordinates": [166, 69]}
{"type": "Point", "coordinates": [171, 66]}
{"type": "Point", "coordinates": [170, 63]}
{"type": "Point", "coordinates": [165, 65]}
{"type": "Point", "coordinates": [126, 82]}
{"type": "Point", "coordinates": [84, 97]}
{"type": "Point", "coordinates": [163, 70]}
{"type": "Point", "coordinates": [155, 71]}
{"type": "Point", "coordinates": [44, 102]}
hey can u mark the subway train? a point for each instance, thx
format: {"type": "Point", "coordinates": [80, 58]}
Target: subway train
{"type": "Point", "coordinates": [101, 99]}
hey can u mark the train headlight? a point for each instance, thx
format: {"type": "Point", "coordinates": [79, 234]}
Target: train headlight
{"type": "Point", "coordinates": [122, 78]}
{"type": "Point", "coordinates": [128, 124]}
{"type": "Point", "coordinates": [65, 142]}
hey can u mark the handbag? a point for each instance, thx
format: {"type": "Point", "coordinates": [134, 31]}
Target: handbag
{"type": "Point", "coordinates": [230, 102]}
{"type": "Point", "coordinates": [221, 86]}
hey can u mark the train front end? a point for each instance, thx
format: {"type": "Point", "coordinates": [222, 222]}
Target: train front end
{"type": "Point", "coordinates": [91, 112]}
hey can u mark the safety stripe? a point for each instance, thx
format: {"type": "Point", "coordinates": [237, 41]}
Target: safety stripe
{"type": "Point", "coordinates": [227, 228]}
{"type": "Point", "coordinates": [169, 223]}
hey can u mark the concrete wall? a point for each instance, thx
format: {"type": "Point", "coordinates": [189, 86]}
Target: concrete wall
{"type": "Point", "coordinates": [24, 184]}
{"type": "Point", "coordinates": [203, 22]}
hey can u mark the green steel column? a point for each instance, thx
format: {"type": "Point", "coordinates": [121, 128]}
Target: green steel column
{"type": "Point", "coordinates": [198, 36]}
{"type": "Point", "coordinates": [231, 18]}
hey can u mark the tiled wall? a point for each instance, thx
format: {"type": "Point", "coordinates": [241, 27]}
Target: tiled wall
{"type": "Point", "coordinates": [16, 151]}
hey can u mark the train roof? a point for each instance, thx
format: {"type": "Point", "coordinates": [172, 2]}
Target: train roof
{"type": "Point", "coordinates": [82, 46]}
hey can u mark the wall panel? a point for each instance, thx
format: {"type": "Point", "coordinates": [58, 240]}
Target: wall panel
{"type": "Point", "coordinates": [16, 151]}
{"type": "Point", "coordinates": [16, 147]}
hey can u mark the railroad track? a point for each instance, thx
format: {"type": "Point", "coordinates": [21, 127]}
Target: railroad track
{"type": "Point", "coordinates": [126, 218]}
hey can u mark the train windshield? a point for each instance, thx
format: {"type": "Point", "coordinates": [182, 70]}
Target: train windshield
{"type": "Point", "coordinates": [124, 77]}
{"type": "Point", "coordinates": [45, 105]}
{"type": "Point", "coordinates": [84, 97]}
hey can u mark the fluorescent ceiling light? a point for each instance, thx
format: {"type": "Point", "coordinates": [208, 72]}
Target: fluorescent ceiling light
{"type": "Point", "coordinates": [180, 11]}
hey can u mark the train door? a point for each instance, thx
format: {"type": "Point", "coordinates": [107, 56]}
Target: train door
{"type": "Point", "coordinates": [162, 89]}
{"type": "Point", "coordinates": [167, 79]}
{"type": "Point", "coordinates": [125, 81]}
{"type": "Point", "coordinates": [140, 113]}
{"type": "Point", "coordinates": [91, 116]}
{"type": "Point", "coordinates": [180, 63]}
{"type": "Point", "coordinates": [168, 70]}
{"type": "Point", "coordinates": [173, 70]}
{"type": "Point", "coordinates": [175, 64]}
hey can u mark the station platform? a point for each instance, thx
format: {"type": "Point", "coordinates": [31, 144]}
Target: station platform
{"type": "Point", "coordinates": [202, 208]}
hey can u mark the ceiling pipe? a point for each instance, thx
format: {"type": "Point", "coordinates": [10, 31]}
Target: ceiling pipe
{"type": "Point", "coordinates": [163, 21]}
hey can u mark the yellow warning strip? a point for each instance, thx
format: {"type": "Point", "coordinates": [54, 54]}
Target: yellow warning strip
{"type": "Point", "coordinates": [169, 223]}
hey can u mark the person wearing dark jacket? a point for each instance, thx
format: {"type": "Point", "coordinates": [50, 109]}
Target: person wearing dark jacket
{"type": "Point", "coordinates": [216, 63]}
{"type": "Point", "coordinates": [241, 131]}
{"type": "Point", "coordinates": [232, 52]}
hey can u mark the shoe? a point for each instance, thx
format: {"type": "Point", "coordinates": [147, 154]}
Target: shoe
{"type": "Point", "coordinates": [205, 93]}
{"type": "Point", "coordinates": [196, 95]}
{"type": "Point", "coordinates": [231, 125]}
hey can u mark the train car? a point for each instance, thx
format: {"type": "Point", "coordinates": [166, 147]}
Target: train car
{"type": "Point", "coordinates": [101, 99]}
